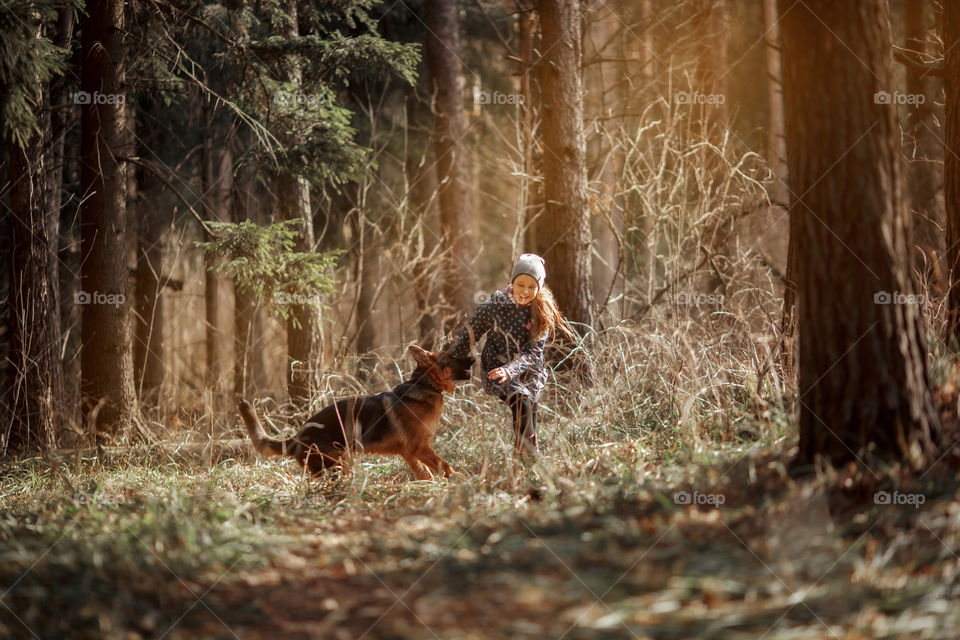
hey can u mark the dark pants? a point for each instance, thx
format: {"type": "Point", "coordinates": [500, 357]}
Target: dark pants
{"type": "Point", "coordinates": [524, 412]}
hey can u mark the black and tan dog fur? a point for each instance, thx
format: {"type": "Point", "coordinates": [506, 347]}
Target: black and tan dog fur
{"type": "Point", "coordinates": [398, 422]}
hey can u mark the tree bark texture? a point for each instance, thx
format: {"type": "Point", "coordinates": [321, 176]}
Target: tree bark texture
{"type": "Point", "coordinates": [108, 396]}
{"type": "Point", "coordinates": [563, 232]}
{"type": "Point", "coordinates": [456, 216]}
{"type": "Point", "coordinates": [862, 362]}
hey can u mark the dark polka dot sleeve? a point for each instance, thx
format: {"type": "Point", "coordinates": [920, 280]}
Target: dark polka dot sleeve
{"type": "Point", "coordinates": [508, 345]}
{"type": "Point", "coordinates": [481, 322]}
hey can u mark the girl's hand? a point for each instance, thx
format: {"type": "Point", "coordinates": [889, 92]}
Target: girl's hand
{"type": "Point", "coordinates": [498, 374]}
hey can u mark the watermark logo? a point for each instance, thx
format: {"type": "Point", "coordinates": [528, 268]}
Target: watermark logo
{"type": "Point", "coordinates": [885, 297]}
{"type": "Point", "coordinates": [85, 97]}
{"type": "Point", "coordinates": [282, 299]}
{"type": "Point", "coordinates": [685, 97]}
{"type": "Point", "coordinates": [296, 99]}
{"type": "Point", "coordinates": [695, 298]}
{"type": "Point", "coordinates": [497, 296]}
{"type": "Point", "coordinates": [485, 97]}
{"type": "Point", "coordinates": [684, 498]}
{"type": "Point", "coordinates": [885, 97]}
{"type": "Point", "coordinates": [898, 498]}
{"type": "Point", "coordinates": [82, 497]}
{"type": "Point", "coordinates": [97, 297]}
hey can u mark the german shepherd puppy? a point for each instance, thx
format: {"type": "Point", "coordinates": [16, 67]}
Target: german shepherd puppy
{"type": "Point", "coordinates": [399, 422]}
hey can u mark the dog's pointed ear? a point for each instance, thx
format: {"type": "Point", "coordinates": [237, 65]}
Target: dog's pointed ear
{"type": "Point", "coordinates": [422, 356]}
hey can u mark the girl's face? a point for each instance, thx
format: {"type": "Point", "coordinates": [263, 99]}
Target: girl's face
{"type": "Point", "coordinates": [525, 289]}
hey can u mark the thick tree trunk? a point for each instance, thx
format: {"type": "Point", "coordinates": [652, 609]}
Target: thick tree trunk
{"type": "Point", "coordinates": [456, 217]}
{"type": "Point", "coordinates": [36, 380]}
{"type": "Point", "coordinates": [563, 235]}
{"type": "Point", "coordinates": [109, 398]}
{"type": "Point", "coordinates": [862, 362]}
{"type": "Point", "coordinates": [951, 163]}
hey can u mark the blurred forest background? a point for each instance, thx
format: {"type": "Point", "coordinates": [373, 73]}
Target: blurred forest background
{"type": "Point", "coordinates": [271, 199]}
{"type": "Point", "coordinates": [348, 117]}
{"type": "Point", "coordinates": [750, 214]}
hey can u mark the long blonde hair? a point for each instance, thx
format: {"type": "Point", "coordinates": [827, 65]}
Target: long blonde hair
{"type": "Point", "coordinates": [546, 317]}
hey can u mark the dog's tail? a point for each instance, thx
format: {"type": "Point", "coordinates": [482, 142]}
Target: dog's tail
{"type": "Point", "coordinates": [264, 445]}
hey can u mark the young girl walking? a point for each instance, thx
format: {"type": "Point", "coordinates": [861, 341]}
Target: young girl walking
{"type": "Point", "coordinates": [517, 322]}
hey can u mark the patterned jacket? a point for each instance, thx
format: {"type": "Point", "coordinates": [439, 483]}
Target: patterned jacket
{"type": "Point", "coordinates": [506, 325]}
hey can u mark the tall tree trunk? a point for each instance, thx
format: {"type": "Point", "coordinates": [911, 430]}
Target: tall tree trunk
{"type": "Point", "coordinates": [109, 398]}
{"type": "Point", "coordinates": [951, 164]}
{"type": "Point", "coordinates": [922, 146]}
{"type": "Point", "coordinates": [55, 131]}
{"type": "Point", "coordinates": [528, 36]}
{"type": "Point", "coordinates": [710, 28]}
{"type": "Point", "coordinates": [776, 136]}
{"type": "Point", "coordinates": [777, 161]}
{"type": "Point", "coordinates": [710, 31]}
{"type": "Point", "coordinates": [420, 186]}
{"type": "Point", "coordinates": [303, 338]}
{"type": "Point", "coordinates": [563, 235]}
{"type": "Point", "coordinates": [862, 363]}
{"type": "Point", "coordinates": [149, 323]}
{"type": "Point", "coordinates": [456, 217]}
{"type": "Point", "coordinates": [366, 271]}
{"type": "Point", "coordinates": [148, 318]}
{"type": "Point", "coordinates": [293, 200]}
{"type": "Point", "coordinates": [248, 331]}
{"type": "Point", "coordinates": [36, 384]}
{"type": "Point", "coordinates": [605, 159]}
{"type": "Point", "coordinates": [217, 181]}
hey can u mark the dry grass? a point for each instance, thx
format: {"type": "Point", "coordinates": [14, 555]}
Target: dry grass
{"type": "Point", "coordinates": [588, 541]}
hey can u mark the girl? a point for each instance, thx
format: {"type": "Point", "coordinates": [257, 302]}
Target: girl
{"type": "Point", "coordinates": [517, 321]}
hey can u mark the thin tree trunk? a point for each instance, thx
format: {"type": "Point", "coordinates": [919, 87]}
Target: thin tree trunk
{"type": "Point", "coordinates": [922, 146]}
{"type": "Point", "coordinates": [36, 384]}
{"type": "Point", "coordinates": [248, 331]}
{"type": "Point", "coordinates": [109, 398]}
{"type": "Point", "coordinates": [216, 185]}
{"type": "Point", "coordinates": [366, 284]}
{"type": "Point", "coordinates": [150, 328]}
{"type": "Point", "coordinates": [776, 136]}
{"type": "Point", "coordinates": [55, 130]}
{"type": "Point", "coordinates": [951, 164]}
{"type": "Point", "coordinates": [293, 200]}
{"type": "Point", "coordinates": [456, 217]}
{"type": "Point", "coordinates": [862, 362]}
{"type": "Point", "coordinates": [303, 339]}
{"type": "Point", "coordinates": [528, 32]}
{"type": "Point", "coordinates": [605, 161]}
{"type": "Point", "coordinates": [777, 161]}
{"type": "Point", "coordinates": [420, 186]}
{"type": "Point", "coordinates": [563, 235]}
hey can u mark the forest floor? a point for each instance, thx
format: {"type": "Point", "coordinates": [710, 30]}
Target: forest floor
{"type": "Point", "coordinates": [614, 540]}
